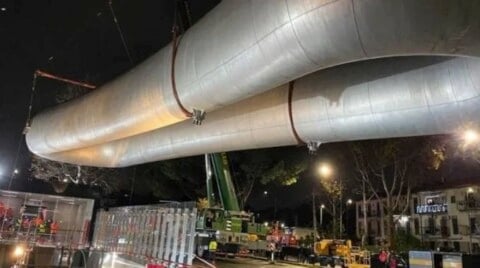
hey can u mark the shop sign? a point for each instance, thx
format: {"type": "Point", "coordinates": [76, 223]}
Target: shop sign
{"type": "Point", "coordinates": [431, 209]}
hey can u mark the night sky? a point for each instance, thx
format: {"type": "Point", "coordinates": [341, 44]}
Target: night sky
{"type": "Point", "coordinates": [79, 40]}
{"type": "Point", "coordinates": [74, 39]}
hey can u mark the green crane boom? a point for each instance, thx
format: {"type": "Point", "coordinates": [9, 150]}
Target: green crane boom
{"type": "Point", "coordinates": [218, 163]}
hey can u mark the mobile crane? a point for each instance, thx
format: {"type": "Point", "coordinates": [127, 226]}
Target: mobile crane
{"type": "Point", "coordinates": [232, 227]}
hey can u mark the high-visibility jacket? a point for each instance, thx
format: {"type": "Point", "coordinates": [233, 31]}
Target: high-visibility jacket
{"type": "Point", "coordinates": [54, 227]}
{"type": "Point", "coordinates": [41, 228]}
{"type": "Point", "coordinates": [212, 246]}
{"type": "Point", "coordinates": [38, 221]}
{"type": "Point", "coordinates": [18, 223]}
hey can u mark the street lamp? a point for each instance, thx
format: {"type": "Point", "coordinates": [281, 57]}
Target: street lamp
{"type": "Point", "coordinates": [470, 136]}
{"type": "Point", "coordinates": [12, 177]}
{"type": "Point", "coordinates": [19, 253]}
{"type": "Point", "coordinates": [322, 207]}
{"type": "Point", "coordinates": [325, 170]}
{"type": "Point", "coordinates": [265, 194]}
{"type": "Point", "coordinates": [470, 205]}
{"type": "Point", "coordinates": [349, 202]}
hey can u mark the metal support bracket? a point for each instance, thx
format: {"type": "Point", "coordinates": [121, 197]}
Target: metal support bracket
{"type": "Point", "coordinates": [26, 129]}
{"type": "Point", "coordinates": [198, 116]}
{"type": "Point", "coordinates": [313, 146]}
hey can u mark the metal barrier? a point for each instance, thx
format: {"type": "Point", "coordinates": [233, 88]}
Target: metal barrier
{"type": "Point", "coordinates": [39, 220]}
{"type": "Point", "coordinates": [161, 234]}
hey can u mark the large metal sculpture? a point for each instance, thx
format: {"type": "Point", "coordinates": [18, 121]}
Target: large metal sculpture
{"type": "Point", "coordinates": [243, 48]}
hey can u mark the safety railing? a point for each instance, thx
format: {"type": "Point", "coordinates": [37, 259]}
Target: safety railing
{"type": "Point", "coordinates": [154, 234]}
{"type": "Point", "coordinates": [61, 238]}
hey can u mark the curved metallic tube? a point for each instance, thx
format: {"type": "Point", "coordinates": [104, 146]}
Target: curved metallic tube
{"type": "Point", "coordinates": [243, 48]}
{"type": "Point", "coordinates": [368, 100]}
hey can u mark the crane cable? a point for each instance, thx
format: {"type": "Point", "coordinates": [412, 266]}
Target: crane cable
{"type": "Point", "coordinates": [24, 132]}
{"type": "Point", "coordinates": [39, 73]}
{"type": "Point", "coordinates": [36, 74]}
{"type": "Point", "coordinates": [122, 37]}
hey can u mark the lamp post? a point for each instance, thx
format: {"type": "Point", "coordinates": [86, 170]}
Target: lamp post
{"type": "Point", "coordinates": [326, 173]}
{"type": "Point", "coordinates": [322, 207]}
{"type": "Point", "coordinates": [12, 177]}
{"type": "Point", "coordinates": [314, 217]}
{"type": "Point", "coordinates": [265, 193]}
{"type": "Point", "coordinates": [349, 202]}
{"type": "Point", "coordinates": [470, 191]}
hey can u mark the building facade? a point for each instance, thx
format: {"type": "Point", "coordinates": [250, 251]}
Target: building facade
{"type": "Point", "coordinates": [376, 219]}
{"type": "Point", "coordinates": [447, 219]}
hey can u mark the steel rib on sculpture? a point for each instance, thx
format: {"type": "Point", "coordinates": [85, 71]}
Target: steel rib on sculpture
{"type": "Point", "coordinates": [269, 43]}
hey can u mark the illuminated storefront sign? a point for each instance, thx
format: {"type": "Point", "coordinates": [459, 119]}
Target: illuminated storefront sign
{"type": "Point", "coordinates": [431, 209]}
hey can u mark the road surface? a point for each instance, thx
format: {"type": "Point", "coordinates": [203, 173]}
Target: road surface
{"type": "Point", "coordinates": [248, 263]}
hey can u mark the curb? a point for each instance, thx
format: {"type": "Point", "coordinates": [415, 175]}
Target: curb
{"type": "Point", "coordinates": [298, 263]}
{"type": "Point", "coordinates": [282, 261]}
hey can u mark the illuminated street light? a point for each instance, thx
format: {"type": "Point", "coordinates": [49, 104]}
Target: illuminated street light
{"type": "Point", "coordinates": [265, 193]}
{"type": "Point", "coordinates": [15, 171]}
{"type": "Point", "coordinates": [18, 252]}
{"type": "Point", "coordinates": [349, 201]}
{"type": "Point", "coordinates": [470, 136]}
{"type": "Point", "coordinates": [470, 190]}
{"type": "Point", "coordinates": [322, 207]}
{"type": "Point", "coordinates": [404, 220]}
{"type": "Point", "coordinates": [325, 170]}
{"type": "Point", "coordinates": [266, 224]}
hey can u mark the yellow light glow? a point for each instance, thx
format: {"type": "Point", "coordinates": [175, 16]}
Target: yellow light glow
{"type": "Point", "coordinates": [470, 190]}
{"type": "Point", "coordinates": [19, 251]}
{"type": "Point", "coordinates": [325, 170]}
{"type": "Point", "coordinates": [470, 136]}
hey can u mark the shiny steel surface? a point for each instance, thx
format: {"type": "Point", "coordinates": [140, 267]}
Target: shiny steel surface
{"type": "Point", "coordinates": [367, 100]}
{"type": "Point", "coordinates": [243, 48]}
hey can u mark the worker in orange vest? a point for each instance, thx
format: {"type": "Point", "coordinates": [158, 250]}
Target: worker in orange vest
{"type": "Point", "coordinates": [54, 229]}
{"type": "Point", "coordinates": [2, 210]}
{"type": "Point", "coordinates": [38, 221]}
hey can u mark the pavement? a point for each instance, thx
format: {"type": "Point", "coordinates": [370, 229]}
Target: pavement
{"type": "Point", "coordinates": [250, 263]}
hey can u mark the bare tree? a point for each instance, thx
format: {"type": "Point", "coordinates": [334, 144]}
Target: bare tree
{"type": "Point", "coordinates": [60, 175]}
{"type": "Point", "coordinates": [382, 167]}
{"type": "Point", "coordinates": [364, 192]}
